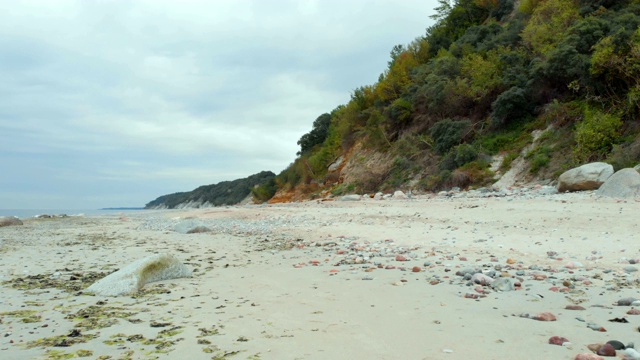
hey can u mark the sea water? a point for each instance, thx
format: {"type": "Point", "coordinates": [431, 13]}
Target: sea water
{"type": "Point", "coordinates": [29, 213]}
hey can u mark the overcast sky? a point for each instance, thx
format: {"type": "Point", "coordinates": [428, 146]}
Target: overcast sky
{"type": "Point", "coordinates": [114, 103]}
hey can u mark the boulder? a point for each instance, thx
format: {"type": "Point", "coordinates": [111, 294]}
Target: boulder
{"type": "Point", "coordinates": [585, 177]}
{"type": "Point", "coordinates": [353, 197]}
{"type": "Point", "coordinates": [623, 184]}
{"type": "Point", "coordinates": [134, 276]}
{"type": "Point", "coordinates": [9, 221]}
{"type": "Point", "coordinates": [398, 194]}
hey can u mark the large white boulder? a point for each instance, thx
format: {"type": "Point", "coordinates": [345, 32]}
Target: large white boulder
{"type": "Point", "coordinates": [585, 177]}
{"type": "Point", "coordinates": [134, 276]}
{"type": "Point", "coordinates": [623, 184]}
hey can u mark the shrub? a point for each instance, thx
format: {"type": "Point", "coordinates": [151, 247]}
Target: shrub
{"type": "Point", "coordinates": [514, 103]}
{"type": "Point", "coordinates": [458, 156]}
{"type": "Point", "coordinates": [596, 134]}
{"type": "Point", "coordinates": [264, 192]}
{"type": "Point", "coordinates": [448, 133]}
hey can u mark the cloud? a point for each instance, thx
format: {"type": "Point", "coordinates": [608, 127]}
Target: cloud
{"type": "Point", "coordinates": [163, 96]}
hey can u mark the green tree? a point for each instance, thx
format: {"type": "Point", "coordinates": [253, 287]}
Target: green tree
{"type": "Point", "coordinates": [317, 135]}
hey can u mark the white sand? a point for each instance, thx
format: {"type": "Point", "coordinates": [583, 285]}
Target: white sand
{"type": "Point", "coordinates": [247, 287]}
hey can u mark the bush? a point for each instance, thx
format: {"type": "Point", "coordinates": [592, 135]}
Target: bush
{"type": "Point", "coordinates": [596, 134]}
{"type": "Point", "coordinates": [264, 192]}
{"type": "Point", "coordinates": [514, 103]}
{"type": "Point", "coordinates": [448, 133]}
{"type": "Point", "coordinates": [459, 156]}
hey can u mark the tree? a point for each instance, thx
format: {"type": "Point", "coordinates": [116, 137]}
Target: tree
{"type": "Point", "coordinates": [317, 135]}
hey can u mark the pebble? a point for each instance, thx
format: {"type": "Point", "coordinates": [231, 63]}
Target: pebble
{"type": "Point", "coordinates": [558, 340]}
{"type": "Point", "coordinates": [633, 312]}
{"type": "Point", "coordinates": [617, 345]}
{"type": "Point", "coordinates": [588, 356]}
{"type": "Point", "coordinates": [626, 301]}
{"type": "Point", "coordinates": [630, 269]}
{"type": "Point", "coordinates": [544, 316]}
{"type": "Point", "coordinates": [630, 353]}
{"type": "Point", "coordinates": [416, 269]}
{"type": "Point", "coordinates": [574, 307]}
{"type": "Point", "coordinates": [503, 284]}
{"type": "Point", "coordinates": [400, 258]}
{"type": "Point", "coordinates": [606, 350]}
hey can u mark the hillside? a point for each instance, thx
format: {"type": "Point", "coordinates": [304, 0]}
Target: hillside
{"type": "Point", "coordinates": [476, 89]}
{"type": "Point", "coordinates": [223, 193]}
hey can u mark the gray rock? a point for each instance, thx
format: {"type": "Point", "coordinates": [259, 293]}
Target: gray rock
{"type": "Point", "coordinates": [630, 269]}
{"type": "Point", "coordinates": [10, 221]}
{"type": "Point", "coordinates": [353, 197]}
{"type": "Point", "coordinates": [623, 184]}
{"type": "Point", "coordinates": [398, 194]}
{"type": "Point", "coordinates": [586, 177]}
{"type": "Point", "coordinates": [626, 301]}
{"type": "Point", "coordinates": [503, 284]}
{"type": "Point", "coordinates": [198, 230]}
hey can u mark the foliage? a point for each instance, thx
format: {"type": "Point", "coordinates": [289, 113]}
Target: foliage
{"type": "Point", "coordinates": [263, 192]}
{"type": "Point", "coordinates": [549, 21]}
{"type": "Point", "coordinates": [317, 135]}
{"type": "Point", "coordinates": [449, 133]}
{"type": "Point", "coordinates": [223, 193]}
{"type": "Point", "coordinates": [478, 82]}
{"type": "Point", "coordinates": [596, 134]}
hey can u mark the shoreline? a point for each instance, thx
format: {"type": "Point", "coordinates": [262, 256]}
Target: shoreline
{"type": "Point", "coordinates": [333, 279]}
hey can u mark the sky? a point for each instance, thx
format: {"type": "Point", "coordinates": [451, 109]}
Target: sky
{"type": "Point", "coordinates": [114, 103]}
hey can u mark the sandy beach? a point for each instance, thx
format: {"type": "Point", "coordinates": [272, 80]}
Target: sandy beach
{"type": "Point", "coordinates": [331, 280]}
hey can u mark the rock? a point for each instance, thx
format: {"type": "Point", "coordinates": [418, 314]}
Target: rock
{"type": "Point", "coordinates": [630, 269]}
{"type": "Point", "coordinates": [588, 356]}
{"type": "Point", "coordinates": [503, 284]}
{"type": "Point", "coordinates": [557, 340]}
{"type": "Point", "coordinates": [623, 184]}
{"type": "Point", "coordinates": [481, 279]}
{"type": "Point", "coordinates": [617, 345]}
{"type": "Point", "coordinates": [633, 312]}
{"type": "Point", "coordinates": [626, 301]}
{"type": "Point", "coordinates": [199, 230]}
{"type": "Point", "coordinates": [586, 177]}
{"type": "Point", "coordinates": [399, 195]}
{"type": "Point", "coordinates": [631, 354]}
{"type": "Point", "coordinates": [401, 258]}
{"type": "Point", "coordinates": [468, 271]}
{"type": "Point", "coordinates": [353, 197]}
{"type": "Point", "coordinates": [9, 221]}
{"type": "Point", "coordinates": [416, 269]}
{"type": "Point", "coordinates": [378, 196]}
{"type": "Point", "coordinates": [544, 316]}
{"type": "Point", "coordinates": [134, 276]}
{"type": "Point", "coordinates": [574, 307]}
{"type": "Point", "coordinates": [606, 350]}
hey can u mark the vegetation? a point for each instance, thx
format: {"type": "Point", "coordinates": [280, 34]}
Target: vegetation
{"type": "Point", "coordinates": [223, 193]}
{"type": "Point", "coordinates": [478, 83]}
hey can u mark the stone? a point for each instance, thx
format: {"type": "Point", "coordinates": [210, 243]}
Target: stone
{"type": "Point", "coordinates": [617, 345]}
{"type": "Point", "coordinates": [400, 195]}
{"type": "Point", "coordinates": [199, 230]}
{"type": "Point", "coordinates": [416, 269]}
{"type": "Point", "coordinates": [378, 196]}
{"type": "Point", "coordinates": [503, 284]}
{"type": "Point", "coordinates": [606, 350]}
{"type": "Point", "coordinates": [588, 356]}
{"type": "Point", "coordinates": [630, 354]}
{"type": "Point", "coordinates": [626, 301]}
{"type": "Point", "coordinates": [574, 307]}
{"type": "Point", "coordinates": [623, 184]}
{"type": "Point", "coordinates": [586, 177]}
{"type": "Point", "coordinates": [9, 221]}
{"type": "Point", "coordinates": [401, 258]}
{"type": "Point", "coordinates": [481, 279]}
{"type": "Point", "coordinates": [134, 276]}
{"type": "Point", "coordinates": [558, 340]}
{"type": "Point", "coordinates": [544, 316]}
{"type": "Point", "coordinates": [633, 312]}
{"type": "Point", "coordinates": [353, 197]}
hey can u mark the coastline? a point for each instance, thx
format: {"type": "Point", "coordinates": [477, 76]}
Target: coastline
{"type": "Point", "coordinates": [317, 280]}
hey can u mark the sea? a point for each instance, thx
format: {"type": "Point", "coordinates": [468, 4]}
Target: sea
{"type": "Point", "coordinates": [29, 213]}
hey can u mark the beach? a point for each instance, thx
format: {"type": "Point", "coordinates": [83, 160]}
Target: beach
{"type": "Point", "coordinates": [368, 279]}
